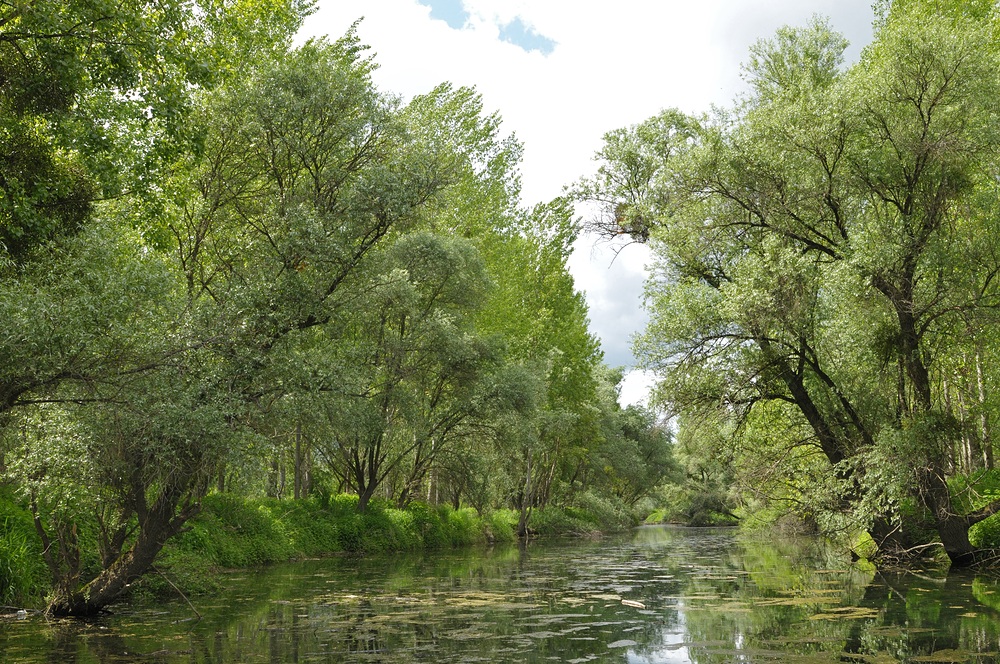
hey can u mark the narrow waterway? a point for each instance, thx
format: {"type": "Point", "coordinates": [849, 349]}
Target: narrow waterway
{"type": "Point", "coordinates": [659, 594]}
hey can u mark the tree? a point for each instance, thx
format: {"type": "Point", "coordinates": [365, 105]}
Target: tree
{"type": "Point", "coordinates": [634, 453]}
{"type": "Point", "coordinates": [818, 244]}
{"type": "Point", "coordinates": [96, 100]}
{"type": "Point", "coordinates": [535, 308]}
{"type": "Point", "coordinates": [412, 366]}
{"type": "Point", "coordinates": [265, 237]}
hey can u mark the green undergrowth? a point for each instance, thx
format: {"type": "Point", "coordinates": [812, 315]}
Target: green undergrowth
{"type": "Point", "coordinates": [23, 575]}
{"type": "Point", "coordinates": [592, 514]}
{"type": "Point", "coordinates": [239, 532]}
{"type": "Point", "coordinates": [234, 532]}
{"type": "Point", "coordinates": [691, 506]}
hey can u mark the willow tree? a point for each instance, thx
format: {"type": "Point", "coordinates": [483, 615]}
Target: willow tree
{"type": "Point", "coordinates": [98, 108]}
{"type": "Point", "coordinates": [302, 168]}
{"type": "Point", "coordinates": [819, 244]}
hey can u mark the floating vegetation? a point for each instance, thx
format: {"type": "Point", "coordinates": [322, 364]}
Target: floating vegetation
{"type": "Point", "coordinates": [556, 603]}
{"type": "Point", "coordinates": [846, 613]}
{"type": "Point", "coordinates": [805, 600]}
{"type": "Point", "coordinates": [954, 656]}
{"type": "Point", "coordinates": [877, 658]}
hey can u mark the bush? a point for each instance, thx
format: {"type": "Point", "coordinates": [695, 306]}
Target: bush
{"type": "Point", "coordinates": [311, 529]}
{"type": "Point", "coordinates": [232, 532]}
{"type": "Point", "coordinates": [694, 505]}
{"type": "Point", "coordinates": [499, 526]}
{"type": "Point", "coordinates": [552, 520]}
{"type": "Point", "coordinates": [606, 513]}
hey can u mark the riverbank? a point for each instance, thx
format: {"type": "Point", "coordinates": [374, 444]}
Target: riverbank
{"type": "Point", "coordinates": [236, 532]}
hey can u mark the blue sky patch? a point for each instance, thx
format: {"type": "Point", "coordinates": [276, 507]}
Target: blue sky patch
{"type": "Point", "coordinates": [524, 36]}
{"type": "Point", "coordinates": [451, 12]}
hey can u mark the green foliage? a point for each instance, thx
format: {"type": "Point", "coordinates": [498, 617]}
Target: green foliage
{"type": "Point", "coordinates": [552, 520]}
{"type": "Point", "coordinates": [232, 531]}
{"type": "Point", "coordinates": [23, 575]}
{"type": "Point", "coordinates": [974, 492]}
{"type": "Point", "coordinates": [692, 505]}
{"type": "Point", "coordinates": [797, 61]}
{"type": "Point", "coordinates": [591, 514]}
{"type": "Point", "coordinates": [499, 526]}
{"type": "Point", "coordinates": [97, 99]}
{"type": "Point", "coordinates": [825, 260]}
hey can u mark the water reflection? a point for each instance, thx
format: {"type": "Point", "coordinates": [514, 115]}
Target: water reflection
{"type": "Point", "coordinates": [692, 596]}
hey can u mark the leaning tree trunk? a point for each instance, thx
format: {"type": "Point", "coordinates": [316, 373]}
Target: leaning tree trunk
{"type": "Point", "coordinates": [952, 528]}
{"type": "Point", "coordinates": [156, 526]}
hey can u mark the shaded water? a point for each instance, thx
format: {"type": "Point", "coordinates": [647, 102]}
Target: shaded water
{"type": "Point", "coordinates": [689, 596]}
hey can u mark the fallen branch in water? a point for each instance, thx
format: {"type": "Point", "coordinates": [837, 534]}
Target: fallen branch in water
{"type": "Point", "coordinates": [179, 591]}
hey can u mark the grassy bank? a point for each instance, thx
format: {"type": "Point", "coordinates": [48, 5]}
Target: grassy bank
{"type": "Point", "coordinates": [235, 532]}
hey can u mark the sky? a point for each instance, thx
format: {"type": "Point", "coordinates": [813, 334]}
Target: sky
{"type": "Point", "coordinates": [562, 73]}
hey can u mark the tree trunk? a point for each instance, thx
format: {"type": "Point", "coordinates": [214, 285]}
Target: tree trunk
{"type": "Point", "coordinates": [298, 463]}
{"type": "Point", "coordinates": [952, 528]}
{"type": "Point", "coordinates": [363, 498]}
{"type": "Point", "coordinates": [272, 478]}
{"type": "Point", "coordinates": [526, 500]}
{"type": "Point", "coordinates": [161, 523]}
{"type": "Point", "coordinates": [984, 419]}
{"type": "Point", "coordinates": [109, 584]}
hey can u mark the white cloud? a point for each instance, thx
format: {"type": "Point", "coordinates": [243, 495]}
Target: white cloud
{"type": "Point", "coordinates": [635, 388]}
{"type": "Point", "coordinates": [614, 64]}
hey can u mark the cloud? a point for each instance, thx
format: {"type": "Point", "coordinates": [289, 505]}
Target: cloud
{"type": "Point", "coordinates": [635, 388]}
{"type": "Point", "coordinates": [612, 284]}
{"type": "Point", "coordinates": [514, 31]}
{"type": "Point", "coordinates": [524, 36]}
{"type": "Point", "coordinates": [451, 12]}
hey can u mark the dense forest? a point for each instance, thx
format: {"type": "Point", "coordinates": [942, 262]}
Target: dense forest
{"type": "Point", "coordinates": [825, 301]}
{"type": "Point", "coordinates": [229, 264]}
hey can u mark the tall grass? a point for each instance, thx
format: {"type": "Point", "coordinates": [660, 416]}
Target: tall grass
{"type": "Point", "coordinates": [23, 575]}
{"type": "Point", "coordinates": [239, 532]}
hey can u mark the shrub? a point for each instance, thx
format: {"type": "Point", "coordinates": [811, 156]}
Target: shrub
{"type": "Point", "coordinates": [976, 491]}
{"type": "Point", "coordinates": [236, 533]}
{"type": "Point", "coordinates": [499, 525]}
{"type": "Point", "coordinates": [309, 527]}
{"type": "Point", "coordinates": [552, 520]}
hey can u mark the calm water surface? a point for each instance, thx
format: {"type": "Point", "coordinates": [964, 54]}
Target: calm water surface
{"type": "Point", "coordinates": [658, 595]}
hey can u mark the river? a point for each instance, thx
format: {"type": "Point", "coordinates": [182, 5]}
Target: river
{"type": "Point", "coordinates": [659, 594]}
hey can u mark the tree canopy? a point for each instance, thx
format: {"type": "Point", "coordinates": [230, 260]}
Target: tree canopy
{"type": "Point", "coordinates": [827, 253]}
